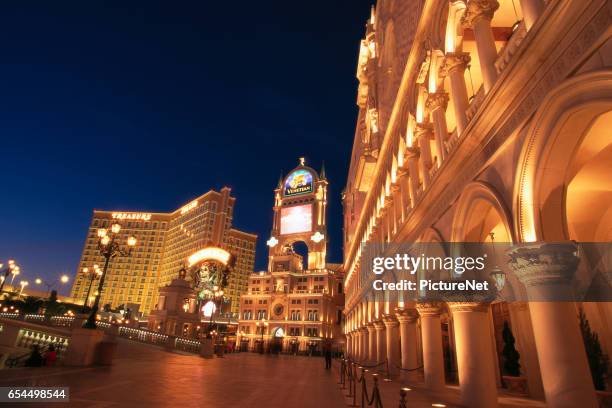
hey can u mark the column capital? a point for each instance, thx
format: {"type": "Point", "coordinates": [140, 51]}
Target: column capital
{"type": "Point", "coordinates": [363, 329]}
{"type": "Point", "coordinates": [379, 325]}
{"type": "Point", "coordinates": [423, 130]}
{"type": "Point", "coordinates": [458, 307]}
{"type": "Point", "coordinates": [390, 321]}
{"type": "Point", "coordinates": [370, 327]}
{"type": "Point", "coordinates": [406, 315]}
{"type": "Point", "coordinates": [388, 202]}
{"type": "Point", "coordinates": [437, 100]}
{"type": "Point", "coordinates": [540, 263]}
{"type": "Point", "coordinates": [455, 61]}
{"type": "Point", "coordinates": [395, 188]}
{"type": "Point", "coordinates": [413, 153]}
{"type": "Point", "coordinates": [477, 9]}
{"type": "Point", "coordinates": [429, 308]}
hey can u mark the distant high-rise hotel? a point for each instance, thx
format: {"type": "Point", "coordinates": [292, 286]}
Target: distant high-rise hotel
{"type": "Point", "coordinates": [165, 241]}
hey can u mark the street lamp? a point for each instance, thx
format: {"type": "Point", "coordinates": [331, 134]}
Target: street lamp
{"type": "Point", "coordinates": [497, 274]}
{"type": "Point", "coordinates": [109, 247]}
{"type": "Point", "coordinates": [5, 273]}
{"type": "Point", "coordinates": [94, 273]}
{"type": "Point", "coordinates": [15, 271]}
{"type": "Point", "coordinates": [263, 325]}
{"type": "Point", "coordinates": [23, 284]}
{"type": "Point", "coordinates": [49, 284]}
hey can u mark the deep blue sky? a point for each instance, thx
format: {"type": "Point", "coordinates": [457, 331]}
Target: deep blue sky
{"type": "Point", "coordinates": [146, 105]}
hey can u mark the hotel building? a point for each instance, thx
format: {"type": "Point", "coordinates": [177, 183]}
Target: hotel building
{"type": "Point", "coordinates": [296, 303]}
{"type": "Point", "coordinates": [479, 117]}
{"type": "Point", "coordinates": [165, 241]}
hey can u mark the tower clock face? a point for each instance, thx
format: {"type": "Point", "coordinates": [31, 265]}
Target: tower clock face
{"type": "Point", "coordinates": [278, 310]}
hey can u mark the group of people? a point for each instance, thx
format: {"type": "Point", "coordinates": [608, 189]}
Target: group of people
{"type": "Point", "coordinates": [37, 359]}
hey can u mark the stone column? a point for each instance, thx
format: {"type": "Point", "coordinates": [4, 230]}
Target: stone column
{"type": "Point", "coordinates": [357, 342]}
{"type": "Point", "coordinates": [412, 155]}
{"type": "Point", "coordinates": [371, 342]}
{"type": "Point", "coordinates": [349, 345]}
{"type": "Point", "coordinates": [423, 135]}
{"type": "Point", "coordinates": [547, 270]}
{"type": "Point", "coordinates": [437, 103]}
{"type": "Point", "coordinates": [404, 192]}
{"type": "Point", "coordinates": [454, 67]}
{"type": "Point", "coordinates": [381, 342]}
{"type": "Point", "coordinates": [477, 375]}
{"type": "Point", "coordinates": [393, 343]}
{"type": "Point", "coordinates": [531, 11]}
{"type": "Point", "coordinates": [478, 16]}
{"type": "Point", "coordinates": [408, 337]}
{"type": "Point", "coordinates": [364, 344]}
{"type": "Point", "coordinates": [433, 355]}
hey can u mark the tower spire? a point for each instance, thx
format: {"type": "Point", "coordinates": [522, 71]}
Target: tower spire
{"type": "Point", "coordinates": [322, 172]}
{"type": "Point", "coordinates": [280, 179]}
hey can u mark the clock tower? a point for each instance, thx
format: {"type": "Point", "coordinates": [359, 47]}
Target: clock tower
{"type": "Point", "coordinates": [300, 203]}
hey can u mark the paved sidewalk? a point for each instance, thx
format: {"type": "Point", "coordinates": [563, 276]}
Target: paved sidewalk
{"type": "Point", "coordinates": [419, 397]}
{"type": "Point", "coordinates": [147, 376]}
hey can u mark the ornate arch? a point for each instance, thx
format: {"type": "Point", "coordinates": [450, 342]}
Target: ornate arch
{"type": "Point", "coordinates": [474, 192]}
{"type": "Point", "coordinates": [540, 183]}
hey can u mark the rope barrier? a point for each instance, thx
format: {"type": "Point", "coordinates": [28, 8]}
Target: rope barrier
{"type": "Point", "coordinates": [409, 369]}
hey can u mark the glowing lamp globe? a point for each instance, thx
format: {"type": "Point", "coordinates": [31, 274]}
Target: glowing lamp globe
{"type": "Point", "coordinates": [209, 308]}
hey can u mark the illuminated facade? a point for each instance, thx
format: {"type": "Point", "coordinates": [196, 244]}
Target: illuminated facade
{"type": "Point", "coordinates": [165, 241]}
{"type": "Point", "coordinates": [479, 117]}
{"type": "Point", "coordinates": [297, 302]}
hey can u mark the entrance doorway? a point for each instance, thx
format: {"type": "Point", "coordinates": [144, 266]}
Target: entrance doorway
{"type": "Point", "coordinates": [278, 334]}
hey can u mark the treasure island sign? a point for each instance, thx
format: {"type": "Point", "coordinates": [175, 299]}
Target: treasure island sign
{"type": "Point", "coordinates": [209, 270]}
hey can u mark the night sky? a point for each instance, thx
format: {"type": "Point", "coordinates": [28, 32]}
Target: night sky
{"type": "Point", "coordinates": [144, 106]}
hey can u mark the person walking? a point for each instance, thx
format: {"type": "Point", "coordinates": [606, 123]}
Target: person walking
{"type": "Point", "coordinates": [327, 352]}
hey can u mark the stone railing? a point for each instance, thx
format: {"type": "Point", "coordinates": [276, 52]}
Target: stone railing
{"type": "Point", "coordinates": [17, 337]}
{"type": "Point", "coordinates": [142, 335]}
{"type": "Point", "coordinates": [27, 338]}
{"type": "Point", "coordinates": [62, 321]}
{"type": "Point", "coordinates": [475, 103]}
{"type": "Point", "coordinates": [510, 48]}
{"type": "Point", "coordinates": [103, 325]}
{"type": "Point", "coordinates": [189, 345]}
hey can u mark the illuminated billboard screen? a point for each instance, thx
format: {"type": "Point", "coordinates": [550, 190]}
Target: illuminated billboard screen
{"type": "Point", "coordinates": [296, 219]}
{"type": "Point", "coordinates": [298, 182]}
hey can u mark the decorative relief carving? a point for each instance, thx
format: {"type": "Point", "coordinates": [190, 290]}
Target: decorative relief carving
{"type": "Point", "coordinates": [437, 100]}
{"type": "Point", "coordinates": [430, 308]}
{"type": "Point", "coordinates": [459, 307]}
{"type": "Point", "coordinates": [406, 315]}
{"type": "Point", "coordinates": [390, 321]}
{"type": "Point", "coordinates": [542, 263]}
{"type": "Point", "coordinates": [478, 9]}
{"type": "Point", "coordinates": [454, 61]}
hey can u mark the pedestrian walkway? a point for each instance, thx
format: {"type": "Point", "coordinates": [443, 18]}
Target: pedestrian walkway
{"type": "Point", "coordinates": [147, 376]}
{"type": "Point", "coordinates": [417, 396]}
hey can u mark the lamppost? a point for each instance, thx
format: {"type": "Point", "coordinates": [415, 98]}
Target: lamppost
{"type": "Point", "coordinates": [210, 307]}
{"type": "Point", "coordinates": [11, 268]}
{"type": "Point", "coordinates": [263, 325]}
{"type": "Point", "coordinates": [109, 247]}
{"type": "Point", "coordinates": [49, 284]}
{"type": "Point", "coordinates": [23, 284]}
{"type": "Point", "coordinates": [96, 272]}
